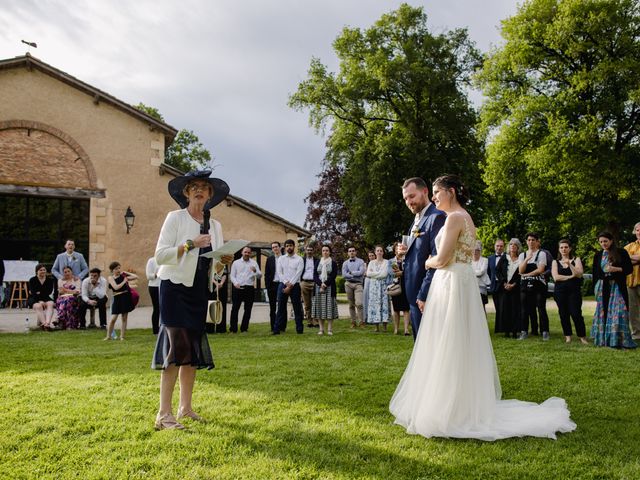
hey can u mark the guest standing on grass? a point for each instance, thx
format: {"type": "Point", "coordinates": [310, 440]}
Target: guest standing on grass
{"type": "Point", "coordinates": [289, 272]}
{"type": "Point", "coordinates": [353, 270]}
{"type": "Point", "coordinates": [480, 266]}
{"type": "Point", "coordinates": [533, 288]}
{"type": "Point", "coordinates": [611, 319]}
{"type": "Point", "coordinates": [41, 294]}
{"type": "Point", "coordinates": [122, 302]}
{"type": "Point", "coordinates": [182, 345]}
{"type": "Point", "coordinates": [325, 305]}
{"type": "Point", "coordinates": [399, 303]}
{"type": "Point", "coordinates": [508, 279]}
{"type": "Point", "coordinates": [378, 273]}
{"type": "Point", "coordinates": [371, 256]}
{"type": "Point", "coordinates": [67, 301]}
{"type": "Point", "coordinates": [567, 273]}
{"type": "Point", "coordinates": [244, 273]}
{"type": "Point", "coordinates": [154, 292]}
{"type": "Point", "coordinates": [633, 284]}
{"type": "Point", "coordinates": [272, 282]}
{"type": "Point", "coordinates": [308, 285]}
{"type": "Point", "coordinates": [495, 289]}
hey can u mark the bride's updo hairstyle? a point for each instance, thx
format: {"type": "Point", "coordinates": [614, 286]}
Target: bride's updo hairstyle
{"type": "Point", "coordinates": [453, 181]}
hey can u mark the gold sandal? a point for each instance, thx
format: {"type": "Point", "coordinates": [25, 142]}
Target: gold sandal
{"type": "Point", "coordinates": [167, 422]}
{"type": "Point", "coordinates": [190, 414]}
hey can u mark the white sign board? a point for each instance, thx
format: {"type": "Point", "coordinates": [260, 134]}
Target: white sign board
{"type": "Point", "coordinates": [19, 270]}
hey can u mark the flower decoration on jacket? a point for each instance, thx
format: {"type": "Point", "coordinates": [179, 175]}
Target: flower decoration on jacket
{"type": "Point", "coordinates": [415, 232]}
{"type": "Point", "coordinates": [73, 257]}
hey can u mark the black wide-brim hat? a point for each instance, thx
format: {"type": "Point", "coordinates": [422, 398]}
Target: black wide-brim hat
{"type": "Point", "coordinates": [220, 188]}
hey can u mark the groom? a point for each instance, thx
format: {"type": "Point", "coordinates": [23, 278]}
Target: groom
{"type": "Point", "coordinates": [427, 223]}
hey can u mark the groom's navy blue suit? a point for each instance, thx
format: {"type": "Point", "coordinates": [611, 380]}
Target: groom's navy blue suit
{"type": "Point", "coordinates": [416, 279]}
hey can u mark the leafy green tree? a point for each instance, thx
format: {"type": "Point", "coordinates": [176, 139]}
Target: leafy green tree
{"type": "Point", "coordinates": [396, 109]}
{"type": "Point", "coordinates": [151, 111]}
{"type": "Point", "coordinates": [186, 152]}
{"type": "Point", "coordinates": [562, 120]}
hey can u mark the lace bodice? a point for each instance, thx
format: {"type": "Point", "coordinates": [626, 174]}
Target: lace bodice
{"type": "Point", "coordinates": [463, 252]}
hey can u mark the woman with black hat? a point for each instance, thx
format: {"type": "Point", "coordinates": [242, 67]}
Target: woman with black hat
{"type": "Point", "coordinates": [182, 345]}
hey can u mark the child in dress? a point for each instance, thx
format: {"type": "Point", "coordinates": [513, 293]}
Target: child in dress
{"type": "Point", "coordinates": [122, 302]}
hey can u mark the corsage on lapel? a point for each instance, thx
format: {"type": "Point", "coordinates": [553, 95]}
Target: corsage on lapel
{"type": "Point", "coordinates": [415, 232]}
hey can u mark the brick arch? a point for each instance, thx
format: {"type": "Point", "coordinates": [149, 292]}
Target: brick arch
{"type": "Point", "coordinates": [34, 153]}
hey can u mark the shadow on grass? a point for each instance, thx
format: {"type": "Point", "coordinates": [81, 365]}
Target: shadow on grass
{"type": "Point", "coordinates": [349, 378]}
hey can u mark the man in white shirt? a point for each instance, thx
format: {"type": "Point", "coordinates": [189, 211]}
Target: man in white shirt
{"type": "Point", "coordinates": [289, 270]}
{"type": "Point", "coordinates": [244, 273]}
{"type": "Point", "coordinates": [94, 296]}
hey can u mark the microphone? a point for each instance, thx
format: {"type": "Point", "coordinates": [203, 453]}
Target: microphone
{"type": "Point", "coordinates": [206, 215]}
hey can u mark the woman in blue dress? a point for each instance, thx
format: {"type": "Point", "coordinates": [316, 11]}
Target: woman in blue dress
{"type": "Point", "coordinates": [611, 319]}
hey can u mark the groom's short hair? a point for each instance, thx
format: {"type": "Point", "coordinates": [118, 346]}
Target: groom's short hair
{"type": "Point", "coordinates": [419, 183]}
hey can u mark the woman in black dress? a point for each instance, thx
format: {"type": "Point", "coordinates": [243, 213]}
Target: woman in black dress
{"type": "Point", "coordinates": [508, 278]}
{"type": "Point", "coordinates": [41, 294]}
{"type": "Point", "coordinates": [567, 273]}
{"type": "Point", "coordinates": [122, 302]}
{"type": "Point", "coordinates": [399, 302]}
{"type": "Point", "coordinates": [182, 345]}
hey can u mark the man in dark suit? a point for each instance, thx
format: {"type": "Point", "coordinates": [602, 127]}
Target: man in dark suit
{"type": "Point", "coordinates": [272, 282]}
{"type": "Point", "coordinates": [496, 290]}
{"type": "Point", "coordinates": [422, 235]}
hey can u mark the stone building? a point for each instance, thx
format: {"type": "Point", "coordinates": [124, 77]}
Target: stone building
{"type": "Point", "coordinates": [73, 159]}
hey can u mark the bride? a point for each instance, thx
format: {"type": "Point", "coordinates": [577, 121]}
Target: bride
{"type": "Point", "coordinates": [451, 386]}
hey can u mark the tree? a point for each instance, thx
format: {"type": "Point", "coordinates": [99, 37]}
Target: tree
{"type": "Point", "coordinates": [562, 119]}
{"type": "Point", "coordinates": [151, 111]}
{"type": "Point", "coordinates": [395, 110]}
{"type": "Point", "coordinates": [186, 152]}
{"type": "Point", "coordinates": [327, 216]}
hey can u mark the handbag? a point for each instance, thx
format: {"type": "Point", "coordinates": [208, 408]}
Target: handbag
{"type": "Point", "coordinates": [215, 309]}
{"type": "Point", "coordinates": [214, 312]}
{"type": "Point", "coordinates": [394, 289]}
{"type": "Point", "coordinates": [532, 284]}
{"type": "Point", "coordinates": [135, 297]}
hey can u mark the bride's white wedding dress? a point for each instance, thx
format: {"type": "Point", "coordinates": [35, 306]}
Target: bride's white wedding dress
{"type": "Point", "coordinates": [451, 386]}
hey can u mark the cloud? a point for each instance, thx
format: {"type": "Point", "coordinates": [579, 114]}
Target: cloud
{"type": "Point", "coordinates": [223, 69]}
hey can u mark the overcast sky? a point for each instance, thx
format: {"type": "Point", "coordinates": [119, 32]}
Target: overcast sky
{"type": "Point", "coordinates": [222, 68]}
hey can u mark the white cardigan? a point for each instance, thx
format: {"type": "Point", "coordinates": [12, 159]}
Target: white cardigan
{"type": "Point", "coordinates": [179, 227]}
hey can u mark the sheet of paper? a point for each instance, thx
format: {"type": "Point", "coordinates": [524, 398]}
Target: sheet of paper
{"type": "Point", "coordinates": [229, 248]}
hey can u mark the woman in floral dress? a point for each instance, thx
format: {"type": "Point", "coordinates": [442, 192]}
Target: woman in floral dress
{"type": "Point", "coordinates": [378, 271]}
{"type": "Point", "coordinates": [67, 302]}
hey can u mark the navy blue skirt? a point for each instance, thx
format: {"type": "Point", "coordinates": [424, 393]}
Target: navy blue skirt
{"type": "Point", "coordinates": [182, 339]}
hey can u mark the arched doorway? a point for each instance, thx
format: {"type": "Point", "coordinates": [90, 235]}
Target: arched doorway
{"type": "Point", "coordinates": [46, 183]}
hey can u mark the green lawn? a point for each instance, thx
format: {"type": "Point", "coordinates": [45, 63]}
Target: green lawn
{"type": "Point", "coordinates": [297, 406]}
